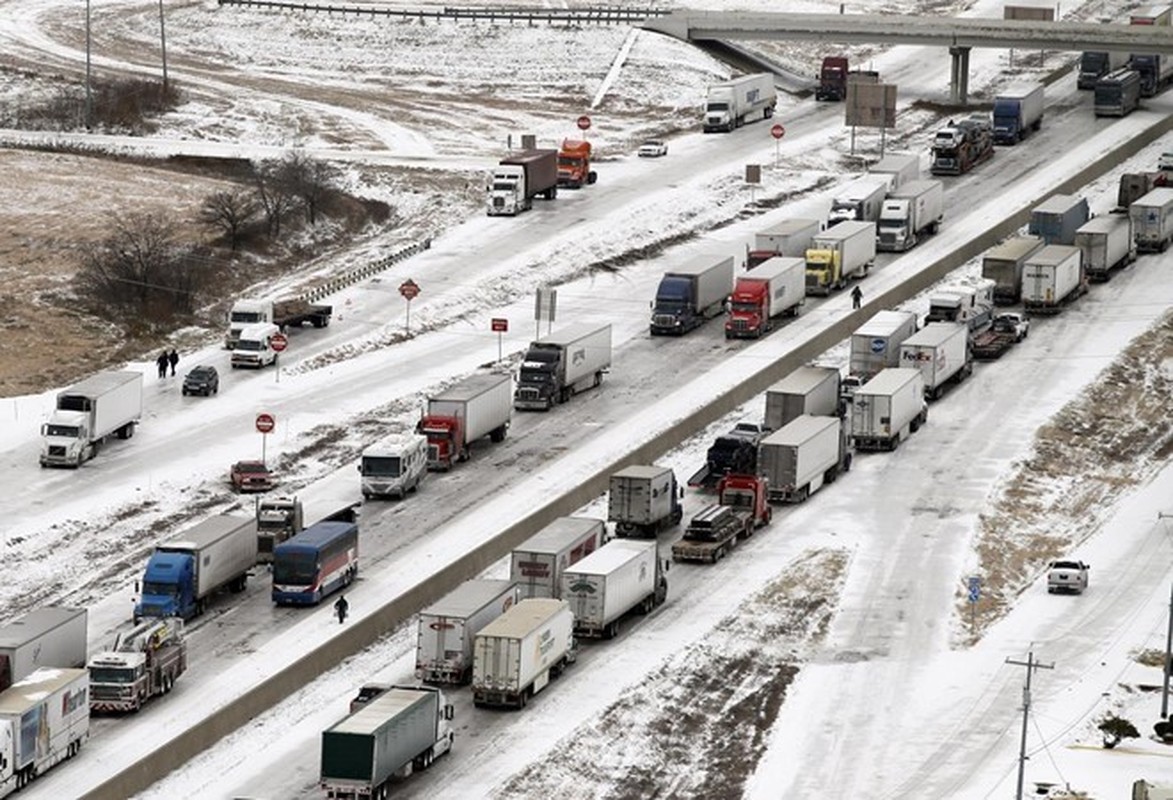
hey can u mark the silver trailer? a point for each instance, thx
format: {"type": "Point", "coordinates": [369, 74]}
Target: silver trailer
{"type": "Point", "coordinates": [447, 628]}
{"type": "Point", "coordinates": [478, 406]}
{"type": "Point", "coordinates": [804, 455]}
{"type": "Point", "coordinates": [1052, 277]}
{"type": "Point", "coordinates": [619, 577]}
{"type": "Point", "coordinates": [1152, 220]}
{"type": "Point", "coordinates": [53, 636]}
{"type": "Point", "coordinates": [941, 352]}
{"type": "Point", "coordinates": [807, 390]}
{"type": "Point", "coordinates": [789, 238]}
{"type": "Point", "coordinates": [860, 200]}
{"type": "Point", "coordinates": [558, 366]}
{"type": "Point", "coordinates": [517, 654]}
{"type": "Point", "coordinates": [1058, 217]}
{"type": "Point", "coordinates": [1106, 243]}
{"type": "Point", "coordinates": [44, 719]}
{"type": "Point", "coordinates": [1003, 264]}
{"type": "Point", "coordinates": [903, 167]}
{"type": "Point", "coordinates": [875, 345]}
{"type": "Point", "coordinates": [887, 409]}
{"type": "Point", "coordinates": [536, 564]}
{"type": "Point", "coordinates": [644, 500]}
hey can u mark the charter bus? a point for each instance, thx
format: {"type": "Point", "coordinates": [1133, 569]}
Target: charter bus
{"type": "Point", "coordinates": [321, 559]}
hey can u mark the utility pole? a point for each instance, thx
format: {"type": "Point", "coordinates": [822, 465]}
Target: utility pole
{"type": "Point", "coordinates": [89, 91]}
{"type": "Point", "coordinates": [1168, 643]}
{"type": "Point", "coordinates": [1031, 665]}
{"type": "Point", "coordinates": [163, 46]}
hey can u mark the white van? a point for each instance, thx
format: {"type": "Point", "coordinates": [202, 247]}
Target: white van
{"type": "Point", "coordinates": [254, 348]}
{"type": "Point", "coordinates": [394, 466]}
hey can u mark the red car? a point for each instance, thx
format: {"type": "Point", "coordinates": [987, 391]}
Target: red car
{"type": "Point", "coordinates": [251, 476]}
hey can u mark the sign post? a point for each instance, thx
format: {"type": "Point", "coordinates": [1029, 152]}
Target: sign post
{"type": "Point", "coordinates": [265, 424]}
{"type": "Point", "coordinates": [410, 291]}
{"type": "Point", "coordinates": [500, 326]}
{"type": "Point", "coordinates": [975, 593]}
{"type": "Point", "coordinates": [278, 341]}
{"type": "Point", "coordinates": [777, 131]}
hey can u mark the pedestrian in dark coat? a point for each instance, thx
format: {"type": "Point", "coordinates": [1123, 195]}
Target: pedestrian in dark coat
{"type": "Point", "coordinates": [856, 297]}
{"type": "Point", "coordinates": [173, 359]}
{"type": "Point", "coordinates": [161, 362]}
{"type": "Point", "coordinates": [340, 608]}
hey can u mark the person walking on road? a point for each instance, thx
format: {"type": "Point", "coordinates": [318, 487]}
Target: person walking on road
{"type": "Point", "coordinates": [856, 297]}
{"type": "Point", "coordinates": [161, 362]}
{"type": "Point", "coordinates": [173, 360]}
{"type": "Point", "coordinates": [340, 608]}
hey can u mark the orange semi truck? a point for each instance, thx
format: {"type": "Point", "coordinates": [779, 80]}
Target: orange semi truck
{"type": "Point", "coordinates": [574, 164]}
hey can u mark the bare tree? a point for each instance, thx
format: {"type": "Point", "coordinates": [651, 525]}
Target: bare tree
{"type": "Point", "coordinates": [274, 194]}
{"type": "Point", "coordinates": [311, 180]}
{"type": "Point", "coordinates": [229, 212]}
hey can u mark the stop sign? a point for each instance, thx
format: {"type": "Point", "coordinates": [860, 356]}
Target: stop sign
{"type": "Point", "coordinates": [777, 131]}
{"type": "Point", "coordinates": [278, 341]}
{"type": "Point", "coordinates": [265, 422]}
{"type": "Point", "coordinates": [584, 123]}
{"type": "Point", "coordinates": [409, 289]}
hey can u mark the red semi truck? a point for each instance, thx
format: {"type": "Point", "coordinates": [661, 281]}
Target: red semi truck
{"type": "Point", "coordinates": [480, 405]}
{"type": "Point", "coordinates": [776, 287]}
{"type": "Point", "coordinates": [574, 164]}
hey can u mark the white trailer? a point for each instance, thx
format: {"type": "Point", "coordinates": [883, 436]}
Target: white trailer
{"type": "Point", "coordinates": [840, 253]}
{"type": "Point", "coordinates": [797, 460]}
{"type": "Point", "coordinates": [1106, 243]}
{"type": "Point", "coordinates": [644, 500]}
{"type": "Point", "coordinates": [85, 414]}
{"type": "Point", "coordinates": [480, 405]}
{"type": "Point", "coordinates": [860, 200]}
{"type": "Point", "coordinates": [516, 655]}
{"type": "Point", "coordinates": [558, 366]}
{"type": "Point", "coordinates": [775, 288]}
{"type": "Point", "coordinates": [1152, 220]}
{"type": "Point", "coordinates": [1052, 277]}
{"type": "Point", "coordinates": [448, 627]}
{"type": "Point", "coordinates": [903, 167]}
{"type": "Point", "coordinates": [1017, 110]}
{"type": "Point", "coordinates": [536, 564]}
{"type": "Point", "coordinates": [910, 213]}
{"type": "Point", "coordinates": [1003, 265]}
{"type": "Point", "coordinates": [735, 102]}
{"type": "Point", "coordinates": [875, 345]}
{"type": "Point", "coordinates": [807, 390]}
{"type": "Point", "coordinates": [44, 719]}
{"type": "Point", "coordinates": [394, 466]}
{"type": "Point", "coordinates": [789, 238]}
{"type": "Point", "coordinates": [619, 577]}
{"type": "Point", "coordinates": [940, 350]}
{"type": "Point", "coordinates": [888, 408]}
{"type": "Point", "coordinates": [972, 304]}
{"type": "Point", "coordinates": [53, 636]}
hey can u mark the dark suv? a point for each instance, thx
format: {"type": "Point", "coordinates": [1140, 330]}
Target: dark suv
{"type": "Point", "coordinates": [201, 380]}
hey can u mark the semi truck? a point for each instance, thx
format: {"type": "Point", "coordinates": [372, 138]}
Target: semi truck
{"type": "Point", "coordinates": [875, 345]}
{"type": "Point", "coordinates": [402, 729]}
{"type": "Point", "coordinates": [972, 304]}
{"type": "Point", "coordinates": [1107, 244]}
{"type": "Point", "coordinates": [888, 409]}
{"type": "Point", "coordinates": [1004, 332]}
{"type": "Point", "coordinates": [806, 390]}
{"type": "Point", "coordinates": [861, 200]}
{"type": "Point", "coordinates": [1117, 94]}
{"type": "Point", "coordinates": [903, 167]}
{"type": "Point", "coordinates": [644, 500]}
{"type": "Point", "coordinates": [184, 572]}
{"type": "Point", "coordinates": [838, 254]}
{"type": "Point", "coordinates": [733, 103]}
{"type": "Point", "coordinates": [86, 414]}
{"type": "Point", "coordinates": [691, 293]}
{"type": "Point", "coordinates": [143, 663]}
{"type": "Point", "coordinates": [1156, 70]}
{"type": "Point", "coordinates": [1003, 264]}
{"type": "Point", "coordinates": [805, 455]}
{"type": "Point", "coordinates": [53, 636]}
{"type": "Point", "coordinates": [476, 407]}
{"type": "Point", "coordinates": [1052, 278]}
{"type": "Point", "coordinates": [620, 577]}
{"type": "Point", "coordinates": [940, 350]}
{"type": "Point", "coordinates": [44, 719]}
{"type": "Point", "coordinates": [1057, 218]}
{"type": "Point", "coordinates": [516, 655]}
{"type": "Point", "coordinates": [1152, 220]}
{"type": "Point", "coordinates": [560, 365]}
{"type": "Point", "coordinates": [789, 238]}
{"type": "Point", "coordinates": [960, 146]}
{"type": "Point", "coordinates": [394, 466]}
{"type": "Point", "coordinates": [910, 213]}
{"type": "Point", "coordinates": [574, 164]}
{"type": "Point", "coordinates": [733, 452]}
{"type": "Point", "coordinates": [285, 313]}
{"type": "Point", "coordinates": [519, 178]}
{"type": "Point", "coordinates": [448, 627]}
{"type": "Point", "coordinates": [832, 79]}
{"type": "Point", "coordinates": [1094, 64]}
{"type": "Point", "coordinates": [775, 288]}
{"type": "Point", "coordinates": [1017, 110]}
{"type": "Point", "coordinates": [741, 508]}
{"type": "Point", "coordinates": [536, 564]}
{"type": "Point", "coordinates": [280, 518]}
{"type": "Point", "coordinates": [1135, 185]}
{"type": "Point", "coordinates": [254, 346]}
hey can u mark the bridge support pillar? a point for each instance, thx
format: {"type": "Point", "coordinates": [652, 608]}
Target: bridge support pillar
{"type": "Point", "coordinates": [959, 75]}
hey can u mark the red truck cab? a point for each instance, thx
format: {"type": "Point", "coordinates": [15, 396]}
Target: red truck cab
{"type": "Point", "coordinates": [746, 492]}
{"type": "Point", "coordinates": [749, 310]}
{"type": "Point", "coordinates": [574, 164]}
{"type": "Point", "coordinates": [832, 79]}
{"type": "Point", "coordinates": [445, 440]}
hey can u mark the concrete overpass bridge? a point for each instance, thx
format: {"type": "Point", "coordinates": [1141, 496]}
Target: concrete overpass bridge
{"type": "Point", "coordinates": [960, 35]}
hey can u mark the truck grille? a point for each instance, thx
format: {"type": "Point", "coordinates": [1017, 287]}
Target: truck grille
{"type": "Point", "coordinates": [57, 451]}
{"type": "Point", "coordinates": [664, 321]}
{"type": "Point", "coordinates": [527, 393]}
{"type": "Point", "coordinates": [100, 691]}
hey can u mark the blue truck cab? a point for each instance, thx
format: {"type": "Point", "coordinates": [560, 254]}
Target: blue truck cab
{"type": "Point", "coordinates": [675, 310]}
{"type": "Point", "coordinates": [169, 587]}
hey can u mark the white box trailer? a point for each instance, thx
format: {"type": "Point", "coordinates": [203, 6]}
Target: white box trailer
{"type": "Point", "coordinates": [910, 213]}
{"type": "Point", "coordinates": [789, 238]}
{"type": "Point", "coordinates": [536, 564]}
{"type": "Point", "coordinates": [1106, 243]}
{"type": "Point", "coordinates": [643, 499]}
{"type": "Point", "coordinates": [903, 167]}
{"type": "Point", "coordinates": [560, 365]}
{"type": "Point", "coordinates": [480, 405]}
{"type": "Point", "coordinates": [448, 627]}
{"type": "Point", "coordinates": [807, 390]}
{"type": "Point", "coordinates": [44, 719]}
{"type": "Point", "coordinates": [1051, 277]}
{"type": "Point", "coordinates": [776, 287]}
{"type": "Point", "coordinates": [87, 413]}
{"type": "Point", "coordinates": [691, 293]}
{"type": "Point", "coordinates": [614, 580]}
{"type": "Point", "coordinates": [801, 457]}
{"type": "Point", "coordinates": [860, 200]}
{"type": "Point", "coordinates": [940, 350]}
{"type": "Point", "coordinates": [875, 345]}
{"type": "Point", "coordinates": [840, 253]}
{"type": "Point", "coordinates": [888, 408]}
{"type": "Point", "coordinates": [53, 636]}
{"type": "Point", "coordinates": [1152, 220]}
{"type": "Point", "coordinates": [733, 103]}
{"type": "Point", "coordinates": [1003, 264]}
{"type": "Point", "coordinates": [517, 654]}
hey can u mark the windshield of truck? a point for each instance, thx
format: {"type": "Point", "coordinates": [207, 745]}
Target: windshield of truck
{"type": "Point", "coordinates": [388, 466]}
{"type": "Point", "coordinates": [569, 161]}
{"type": "Point", "coordinates": [737, 498]}
{"type": "Point", "coordinates": [247, 317]}
{"type": "Point", "coordinates": [503, 185]}
{"type": "Point", "coordinates": [532, 375]}
{"type": "Point", "coordinates": [744, 306]}
{"type": "Point", "coordinates": [1005, 112]}
{"type": "Point", "coordinates": [248, 344]}
{"type": "Point", "coordinates": [155, 589]}
{"type": "Point", "coordinates": [1093, 62]}
{"type": "Point", "coordinates": [67, 431]}
{"type": "Point", "coordinates": [295, 568]}
{"type": "Point", "coordinates": [111, 675]}
{"type": "Point", "coordinates": [718, 107]}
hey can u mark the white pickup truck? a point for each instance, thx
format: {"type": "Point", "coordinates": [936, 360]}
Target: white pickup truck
{"type": "Point", "coordinates": [1067, 576]}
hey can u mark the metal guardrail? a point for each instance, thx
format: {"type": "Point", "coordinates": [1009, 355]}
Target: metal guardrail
{"type": "Point", "coordinates": [598, 15]}
{"type": "Point", "coordinates": [355, 275]}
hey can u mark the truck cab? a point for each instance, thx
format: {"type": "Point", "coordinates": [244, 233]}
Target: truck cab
{"type": "Point", "coordinates": [394, 467]}
{"type": "Point", "coordinates": [674, 310]}
{"type": "Point", "coordinates": [445, 440]}
{"type": "Point", "coordinates": [66, 439]}
{"type": "Point", "coordinates": [538, 379]}
{"type": "Point", "coordinates": [574, 164]}
{"type": "Point", "coordinates": [244, 313]}
{"type": "Point", "coordinates": [278, 518]}
{"type": "Point", "coordinates": [746, 492]}
{"type": "Point", "coordinates": [168, 588]}
{"type": "Point", "coordinates": [143, 663]}
{"type": "Point", "coordinates": [749, 310]}
{"type": "Point", "coordinates": [832, 79]}
{"type": "Point", "coordinates": [254, 346]}
{"type": "Point", "coordinates": [822, 271]}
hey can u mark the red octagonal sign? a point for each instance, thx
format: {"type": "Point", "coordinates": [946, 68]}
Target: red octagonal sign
{"type": "Point", "coordinates": [278, 341]}
{"type": "Point", "coordinates": [265, 422]}
{"type": "Point", "coordinates": [777, 131]}
{"type": "Point", "coordinates": [584, 123]}
{"type": "Point", "coordinates": [409, 289]}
